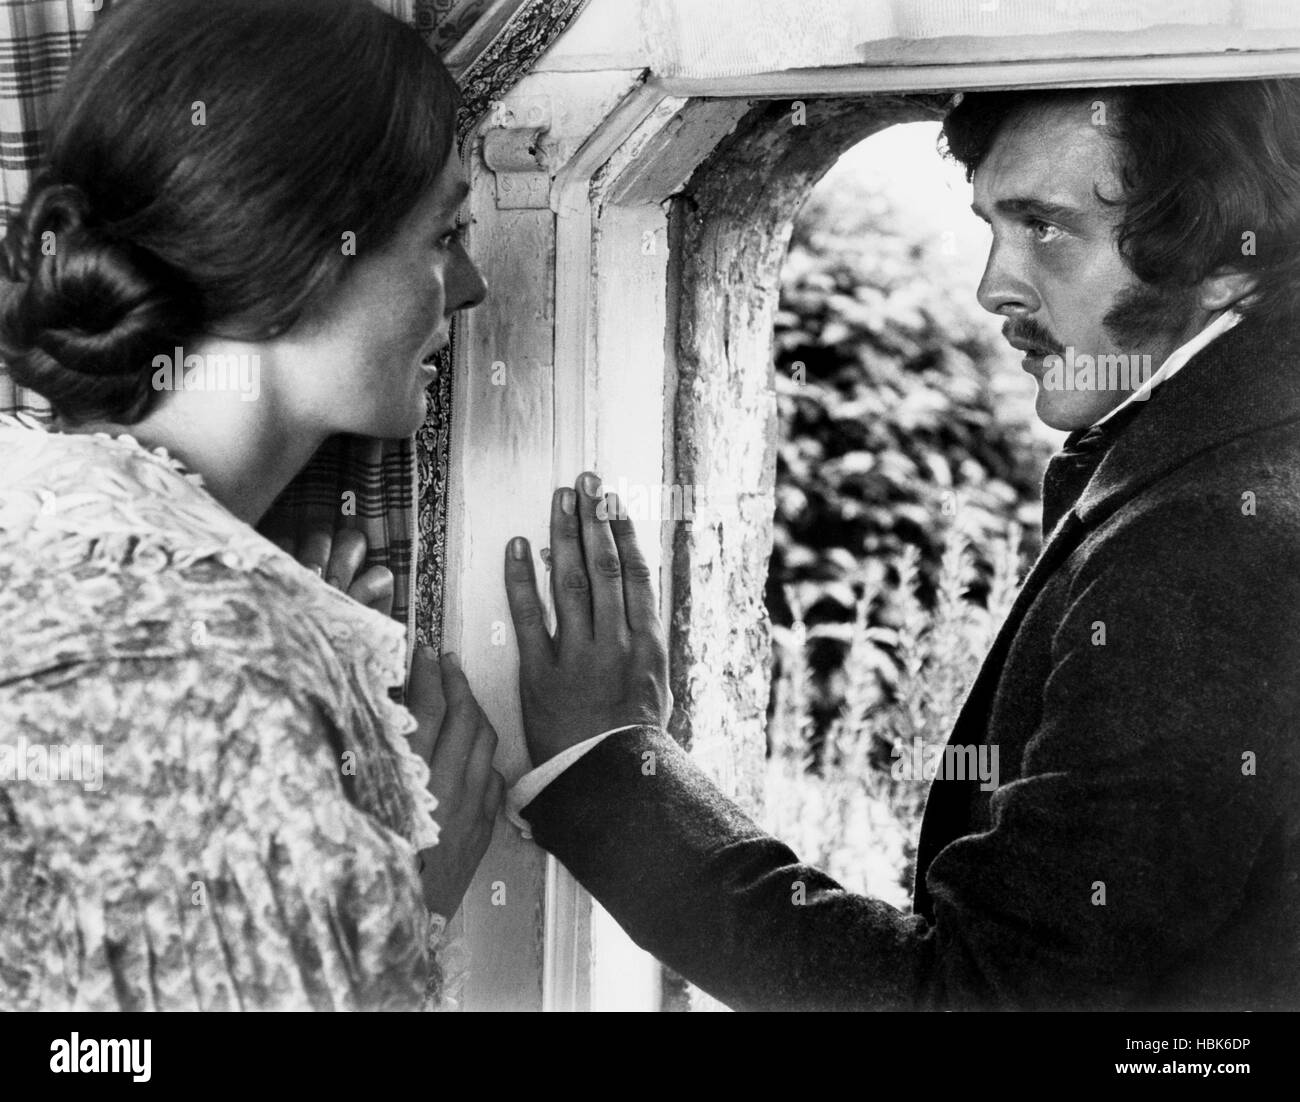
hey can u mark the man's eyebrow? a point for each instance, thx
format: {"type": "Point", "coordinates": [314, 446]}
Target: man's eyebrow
{"type": "Point", "coordinates": [1030, 208]}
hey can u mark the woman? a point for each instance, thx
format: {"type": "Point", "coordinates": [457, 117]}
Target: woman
{"type": "Point", "coordinates": [271, 185]}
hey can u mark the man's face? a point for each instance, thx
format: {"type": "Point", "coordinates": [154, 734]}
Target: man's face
{"type": "Point", "coordinates": [1055, 271]}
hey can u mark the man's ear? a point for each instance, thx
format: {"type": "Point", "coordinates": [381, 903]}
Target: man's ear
{"type": "Point", "coordinates": [1225, 287]}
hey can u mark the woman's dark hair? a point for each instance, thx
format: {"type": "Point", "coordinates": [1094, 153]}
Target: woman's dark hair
{"type": "Point", "coordinates": [205, 160]}
{"type": "Point", "coordinates": [1211, 176]}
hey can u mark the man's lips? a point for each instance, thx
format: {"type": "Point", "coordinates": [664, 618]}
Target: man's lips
{"type": "Point", "coordinates": [1037, 350]}
{"type": "Point", "coordinates": [1035, 354]}
{"type": "Point", "coordinates": [1034, 364]}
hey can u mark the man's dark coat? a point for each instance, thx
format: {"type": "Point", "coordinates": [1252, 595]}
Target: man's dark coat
{"type": "Point", "coordinates": [1143, 846]}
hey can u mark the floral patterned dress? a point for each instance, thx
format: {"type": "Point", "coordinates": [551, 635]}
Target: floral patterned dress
{"type": "Point", "coordinates": [251, 841]}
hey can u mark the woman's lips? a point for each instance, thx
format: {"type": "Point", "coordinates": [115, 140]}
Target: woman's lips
{"type": "Point", "coordinates": [429, 359]}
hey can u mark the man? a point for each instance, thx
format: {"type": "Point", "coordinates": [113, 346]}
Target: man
{"type": "Point", "coordinates": [1143, 847]}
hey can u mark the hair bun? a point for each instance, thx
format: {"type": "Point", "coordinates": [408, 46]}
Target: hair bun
{"type": "Point", "coordinates": [85, 313]}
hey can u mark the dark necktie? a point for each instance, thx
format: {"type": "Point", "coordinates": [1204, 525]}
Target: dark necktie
{"type": "Point", "coordinates": [1070, 469]}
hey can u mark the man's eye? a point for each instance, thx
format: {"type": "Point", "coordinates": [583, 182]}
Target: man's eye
{"type": "Point", "coordinates": [1043, 231]}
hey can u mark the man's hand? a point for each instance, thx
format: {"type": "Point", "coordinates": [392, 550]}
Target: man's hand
{"type": "Point", "coordinates": [458, 742]}
{"type": "Point", "coordinates": [607, 664]}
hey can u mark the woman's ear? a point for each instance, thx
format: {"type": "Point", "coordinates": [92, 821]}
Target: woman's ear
{"type": "Point", "coordinates": [1225, 287]}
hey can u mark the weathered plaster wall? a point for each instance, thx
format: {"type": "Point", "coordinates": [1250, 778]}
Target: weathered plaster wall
{"type": "Point", "coordinates": [730, 229]}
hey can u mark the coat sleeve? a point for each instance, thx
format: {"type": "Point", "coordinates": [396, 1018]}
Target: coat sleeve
{"type": "Point", "coordinates": [1127, 840]}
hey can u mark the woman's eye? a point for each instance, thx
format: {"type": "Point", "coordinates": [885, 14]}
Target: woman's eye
{"type": "Point", "coordinates": [451, 238]}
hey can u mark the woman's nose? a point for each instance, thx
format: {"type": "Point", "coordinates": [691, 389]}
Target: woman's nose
{"type": "Point", "coordinates": [469, 287]}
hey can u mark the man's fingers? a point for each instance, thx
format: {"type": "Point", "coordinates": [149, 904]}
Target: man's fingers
{"type": "Point", "coordinates": [347, 556]}
{"type": "Point", "coordinates": [526, 604]}
{"type": "Point", "coordinates": [374, 589]}
{"type": "Point", "coordinates": [569, 580]}
{"type": "Point", "coordinates": [638, 582]}
{"type": "Point", "coordinates": [609, 620]}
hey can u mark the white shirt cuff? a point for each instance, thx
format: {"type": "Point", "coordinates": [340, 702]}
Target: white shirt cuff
{"type": "Point", "coordinates": [528, 787]}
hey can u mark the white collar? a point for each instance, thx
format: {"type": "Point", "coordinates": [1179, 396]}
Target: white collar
{"type": "Point", "coordinates": [1177, 359]}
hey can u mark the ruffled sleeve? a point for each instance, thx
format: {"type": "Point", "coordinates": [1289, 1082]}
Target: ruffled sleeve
{"type": "Point", "coordinates": [220, 862]}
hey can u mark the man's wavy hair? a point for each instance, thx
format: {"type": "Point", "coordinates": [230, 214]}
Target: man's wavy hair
{"type": "Point", "coordinates": [1211, 176]}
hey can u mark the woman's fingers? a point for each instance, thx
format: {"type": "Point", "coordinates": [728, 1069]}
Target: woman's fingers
{"type": "Point", "coordinates": [346, 558]}
{"type": "Point", "coordinates": [338, 556]}
{"type": "Point", "coordinates": [526, 604]}
{"type": "Point", "coordinates": [279, 529]}
{"type": "Point", "coordinates": [425, 699]}
{"type": "Point", "coordinates": [496, 795]}
{"type": "Point", "coordinates": [478, 770]}
{"type": "Point", "coordinates": [374, 589]}
{"type": "Point", "coordinates": [604, 572]}
{"type": "Point", "coordinates": [451, 752]}
{"type": "Point", "coordinates": [314, 549]}
{"type": "Point", "coordinates": [461, 775]}
{"type": "Point", "coordinates": [569, 580]}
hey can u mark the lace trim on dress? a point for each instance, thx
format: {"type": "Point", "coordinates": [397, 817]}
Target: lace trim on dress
{"type": "Point", "coordinates": [176, 524]}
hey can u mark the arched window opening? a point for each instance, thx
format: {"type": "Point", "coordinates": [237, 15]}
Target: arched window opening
{"type": "Point", "coordinates": [906, 506]}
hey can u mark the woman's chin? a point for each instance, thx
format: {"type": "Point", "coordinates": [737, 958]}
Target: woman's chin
{"type": "Point", "coordinates": [395, 422]}
{"type": "Point", "coordinates": [419, 413]}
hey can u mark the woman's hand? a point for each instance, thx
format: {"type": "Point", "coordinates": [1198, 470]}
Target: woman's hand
{"type": "Point", "coordinates": [607, 665]}
{"type": "Point", "coordinates": [458, 742]}
{"type": "Point", "coordinates": [338, 556]}
{"type": "Point", "coordinates": [453, 735]}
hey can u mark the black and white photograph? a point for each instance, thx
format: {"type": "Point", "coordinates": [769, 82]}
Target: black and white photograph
{"type": "Point", "coordinates": [650, 506]}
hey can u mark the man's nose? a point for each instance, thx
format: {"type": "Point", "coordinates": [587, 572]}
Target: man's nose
{"type": "Point", "coordinates": [1003, 288]}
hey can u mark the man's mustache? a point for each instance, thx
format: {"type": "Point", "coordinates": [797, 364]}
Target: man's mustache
{"type": "Point", "coordinates": [1026, 331]}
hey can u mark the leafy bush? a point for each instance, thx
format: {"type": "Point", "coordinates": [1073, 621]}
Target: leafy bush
{"type": "Point", "coordinates": [836, 801]}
